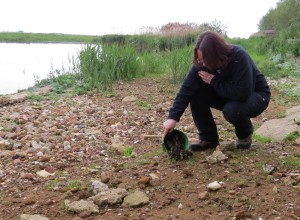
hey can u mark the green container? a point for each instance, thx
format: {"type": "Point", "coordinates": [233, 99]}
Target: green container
{"type": "Point", "coordinates": [173, 134]}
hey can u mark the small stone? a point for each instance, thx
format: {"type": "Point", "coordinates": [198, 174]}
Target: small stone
{"type": "Point", "coordinates": [44, 173]}
{"type": "Point", "coordinates": [31, 150]}
{"type": "Point", "coordinates": [268, 168]}
{"type": "Point", "coordinates": [153, 176]}
{"type": "Point", "coordinates": [231, 192]}
{"type": "Point", "coordinates": [16, 156]}
{"type": "Point", "coordinates": [67, 148]}
{"type": "Point", "coordinates": [270, 178]}
{"type": "Point", "coordinates": [33, 217]}
{"type": "Point", "coordinates": [144, 180]}
{"type": "Point", "coordinates": [214, 186]}
{"type": "Point", "coordinates": [81, 206]}
{"type": "Point", "coordinates": [217, 156]}
{"type": "Point", "coordinates": [44, 159]}
{"type": "Point", "coordinates": [98, 186]}
{"type": "Point", "coordinates": [85, 214]}
{"type": "Point", "coordinates": [39, 154]}
{"type": "Point", "coordinates": [49, 169]}
{"type": "Point", "coordinates": [17, 162]}
{"type": "Point", "coordinates": [187, 173]}
{"type": "Point", "coordinates": [29, 201]}
{"type": "Point", "coordinates": [243, 215]}
{"type": "Point", "coordinates": [129, 99]}
{"type": "Point", "coordinates": [104, 178]}
{"type": "Point", "coordinates": [180, 206]}
{"type": "Point", "coordinates": [28, 176]}
{"type": "Point", "coordinates": [135, 199]}
{"type": "Point", "coordinates": [278, 175]}
{"type": "Point", "coordinates": [203, 195]}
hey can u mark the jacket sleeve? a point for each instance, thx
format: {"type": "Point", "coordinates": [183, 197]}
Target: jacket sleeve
{"type": "Point", "coordinates": [238, 83]}
{"type": "Point", "coordinates": [188, 88]}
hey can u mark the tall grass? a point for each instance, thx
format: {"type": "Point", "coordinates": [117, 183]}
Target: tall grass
{"type": "Point", "coordinates": [153, 63]}
{"type": "Point", "coordinates": [90, 65]}
{"type": "Point", "coordinates": [152, 43]}
{"type": "Point", "coordinates": [127, 57]}
{"type": "Point", "coordinates": [100, 66]}
{"type": "Point", "coordinates": [180, 63]}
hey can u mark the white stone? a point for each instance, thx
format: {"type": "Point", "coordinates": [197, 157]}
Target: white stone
{"type": "Point", "coordinates": [214, 186]}
{"type": "Point", "coordinates": [153, 176]}
{"type": "Point", "coordinates": [44, 173]}
{"type": "Point", "coordinates": [180, 206]}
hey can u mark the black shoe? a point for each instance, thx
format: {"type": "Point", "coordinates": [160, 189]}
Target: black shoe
{"type": "Point", "coordinates": [203, 145]}
{"type": "Point", "coordinates": [244, 143]}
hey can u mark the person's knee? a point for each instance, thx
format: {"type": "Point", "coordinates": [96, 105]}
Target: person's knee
{"type": "Point", "coordinates": [230, 116]}
{"type": "Point", "coordinates": [233, 114]}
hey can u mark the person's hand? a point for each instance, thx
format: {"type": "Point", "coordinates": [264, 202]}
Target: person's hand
{"type": "Point", "coordinates": [168, 125]}
{"type": "Point", "coordinates": [205, 76]}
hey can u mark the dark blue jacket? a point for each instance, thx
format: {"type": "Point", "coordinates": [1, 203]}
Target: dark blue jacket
{"type": "Point", "coordinates": [236, 81]}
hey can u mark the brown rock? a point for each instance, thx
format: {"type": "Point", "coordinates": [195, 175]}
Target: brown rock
{"type": "Point", "coordinates": [85, 214]}
{"type": "Point", "coordinates": [49, 169]}
{"type": "Point", "coordinates": [243, 215]}
{"type": "Point", "coordinates": [17, 162]}
{"type": "Point", "coordinates": [187, 173]}
{"type": "Point", "coordinates": [144, 180]}
{"type": "Point", "coordinates": [28, 176]}
{"type": "Point", "coordinates": [74, 189]}
{"type": "Point", "coordinates": [104, 178]}
{"type": "Point", "coordinates": [29, 201]}
{"type": "Point", "coordinates": [203, 195]}
{"type": "Point", "coordinates": [44, 159]}
{"type": "Point", "coordinates": [84, 194]}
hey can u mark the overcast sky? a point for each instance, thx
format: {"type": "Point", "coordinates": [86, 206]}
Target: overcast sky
{"type": "Point", "coordinates": [99, 17]}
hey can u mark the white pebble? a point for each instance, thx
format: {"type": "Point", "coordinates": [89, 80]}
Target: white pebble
{"type": "Point", "coordinates": [180, 206]}
{"type": "Point", "coordinates": [39, 154]}
{"type": "Point", "coordinates": [67, 147]}
{"type": "Point", "coordinates": [214, 185]}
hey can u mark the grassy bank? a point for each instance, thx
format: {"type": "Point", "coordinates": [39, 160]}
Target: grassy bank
{"type": "Point", "coordinates": [21, 37]}
{"type": "Point", "coordinates": [109, 58]}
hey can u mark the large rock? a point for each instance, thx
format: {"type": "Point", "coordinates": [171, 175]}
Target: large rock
{"type": "Point", "coordinates": [81, 206]}
{"type": "Point", "coordinates": [110, 197]}
{"type": "Point", "coordinates": [32, 217]}
{"type": "Point", "coordinates": [278, 129]}
{"type": "Point", "coordinates": [136, 199]}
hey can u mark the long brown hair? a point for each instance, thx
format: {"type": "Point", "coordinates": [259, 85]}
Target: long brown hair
{"type": "Point", "coordinates": [216, 52]}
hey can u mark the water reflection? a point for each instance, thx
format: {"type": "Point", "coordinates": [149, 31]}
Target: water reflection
{"type": "Point", "coordinates": [20, 64]}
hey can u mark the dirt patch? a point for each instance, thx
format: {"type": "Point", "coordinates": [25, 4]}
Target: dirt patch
{"type": "Point", "coordinates": [72, 141]}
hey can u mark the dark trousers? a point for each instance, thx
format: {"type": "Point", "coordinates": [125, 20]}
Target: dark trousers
{"type": "Point", "coordinates": [236, 113]}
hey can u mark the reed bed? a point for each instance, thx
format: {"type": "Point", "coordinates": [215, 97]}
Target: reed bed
{"type": "Point", "coordinates": [125, 57]}
{"type": "Point", "coordinates": [100, 66]}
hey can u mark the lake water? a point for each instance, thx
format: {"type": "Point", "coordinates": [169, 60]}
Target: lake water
{"type": "Point", "coordinates": [21, 63]}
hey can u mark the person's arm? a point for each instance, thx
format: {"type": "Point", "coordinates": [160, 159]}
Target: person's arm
{"type": "Point", "coordinates": [189, 86]}
{"type": "Point", "coordinates": [238, 84]}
